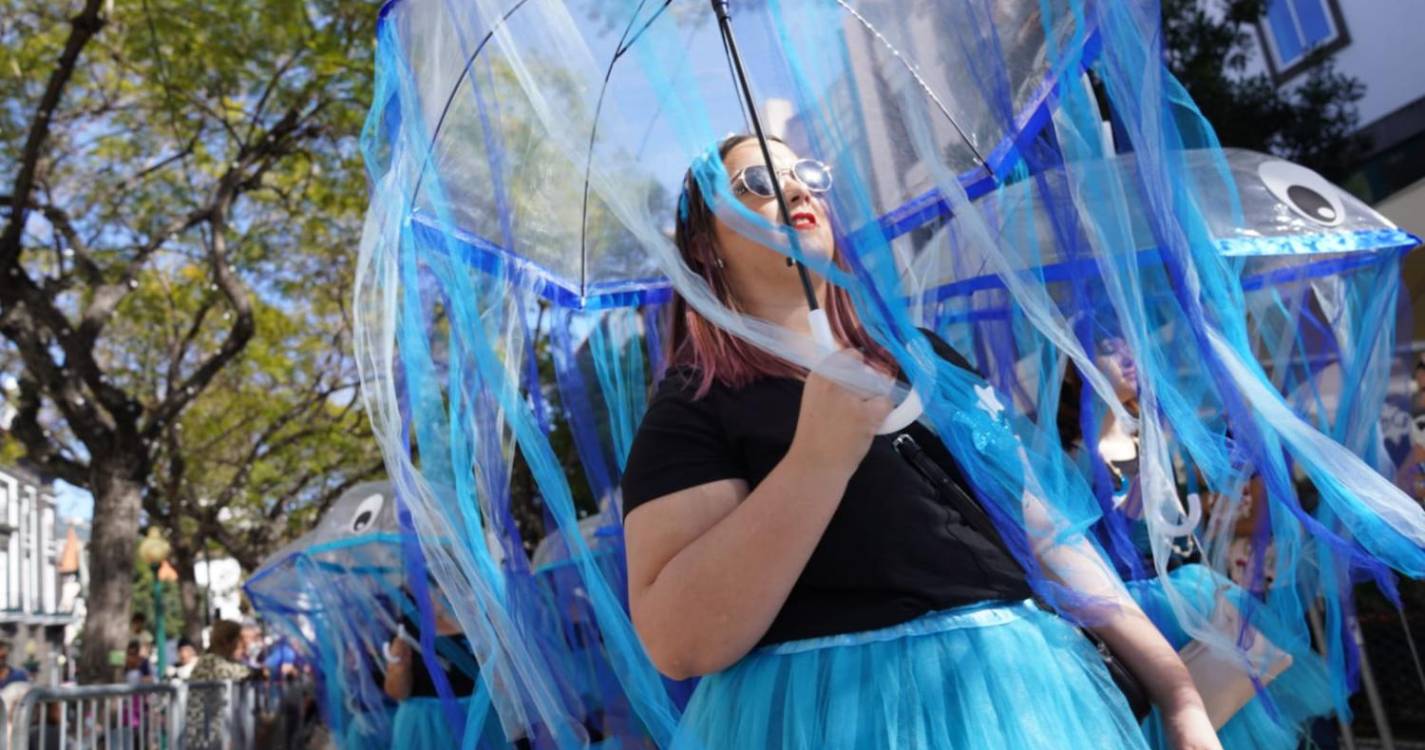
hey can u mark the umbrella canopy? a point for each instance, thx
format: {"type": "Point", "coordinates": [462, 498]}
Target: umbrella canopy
{"type": "Point", "coordinates": [1281, 229]}
{"type": "Point", "coordinates": [334, 593]}
{"type": "Point", "coordinates": [1315, 266]}
{"type": "Point", "coordinates": [357, 531]}
{"type": "Point", "coordinates": [1284, 221]}
{"type": "Point", "coordinates": [558, 172]}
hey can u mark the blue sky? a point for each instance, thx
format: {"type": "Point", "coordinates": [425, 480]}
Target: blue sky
{"type": "Point", "coordinates": [74, 502]}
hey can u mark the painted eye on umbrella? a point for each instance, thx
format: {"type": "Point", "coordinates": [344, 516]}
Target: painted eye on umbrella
{"type": "Point", "coordinates": [1305, 192]}
{"type": "Point", "coordinates": [366, 513]}
{"type": "Point", "coordinates": [1417, 430]}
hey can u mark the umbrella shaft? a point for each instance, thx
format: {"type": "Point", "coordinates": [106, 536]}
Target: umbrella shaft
{"type": "Point", "coordinates": [724, 19]}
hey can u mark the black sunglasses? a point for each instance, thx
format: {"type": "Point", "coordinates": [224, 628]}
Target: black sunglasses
{"type": "Point", "coordinates": [757, 179]}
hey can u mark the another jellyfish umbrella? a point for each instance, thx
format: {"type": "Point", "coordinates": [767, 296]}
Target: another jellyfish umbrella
{"type": "Point", "coordinates": [1319, 274]}
{"type": "Point", "coordinates": [335, 592]}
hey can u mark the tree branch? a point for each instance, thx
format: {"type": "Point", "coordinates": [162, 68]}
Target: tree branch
{"type": "Point", "coordinates": [27, 310]}
{"type": "Point", "coordinates": [243, 174]}
{"type": "Point", "coordinates": [328, 496]}
{"type": "Point", "coordinates": [25, 324]}
{"type": "Point", "coordinates": [180, 348]}
{"type": "Point", "coordinates": [82, 28]}
{"type": "Point", "coordinates": [137, 177]}
{"type": "Point", "coordinates": [63, 226]}
{"type": "Point", "coordinates": [246, 174]}
{"type": "Point", "coordinates": [267, 90]}
{"type": "Point", "coordinates": [107, 297]}
{"type": "Point", "coordinates": [264, 445]}
{"type": "Point", "coordinates": [40, 449]}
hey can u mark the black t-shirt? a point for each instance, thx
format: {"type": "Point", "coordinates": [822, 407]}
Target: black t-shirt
{"type": "Point", "coordinates": [894, 549]}
{"type": "Point", "coordinates": [455, 658]}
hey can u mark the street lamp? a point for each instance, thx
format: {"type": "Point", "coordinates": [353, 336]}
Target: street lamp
{"type": "Point", "coordinates": [153, 550]}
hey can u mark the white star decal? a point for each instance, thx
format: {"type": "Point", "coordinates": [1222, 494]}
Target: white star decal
{"type": "Point", "coordinates": [989, 400]}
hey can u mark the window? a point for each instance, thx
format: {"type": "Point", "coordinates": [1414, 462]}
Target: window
{"type": "Point", "coordinates": [1293, 29]}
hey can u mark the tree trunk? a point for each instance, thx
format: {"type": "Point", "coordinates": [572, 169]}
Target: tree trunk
{"type": "Point", "coordinates": [189, 595]}
{"type": "Point", "coordinates": [112, 547]}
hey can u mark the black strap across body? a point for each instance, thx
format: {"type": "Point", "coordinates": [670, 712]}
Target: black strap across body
{"type": "Point", "coordinates": [976, 517]}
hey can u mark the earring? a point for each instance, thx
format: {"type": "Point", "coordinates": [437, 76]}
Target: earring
{"type": "Point", "coordinates": [717, 260]}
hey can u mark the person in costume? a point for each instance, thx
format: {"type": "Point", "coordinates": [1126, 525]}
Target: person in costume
{"type": "Point", "coordinates": [1297, 687]}
{"type": "Point", "coordinates": [1410, 476]}
{"type": "Point", "coordinates": [819, 577]}
{"type": "Point", "coordinates": [421, 722]}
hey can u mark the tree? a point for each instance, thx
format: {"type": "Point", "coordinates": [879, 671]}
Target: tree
{"type": "Point", "coordinates": [141, 137]}
{"type": "Point", "coordinates": [259, 456]}
{"type": "Point", "coordinates": [1208, 46]}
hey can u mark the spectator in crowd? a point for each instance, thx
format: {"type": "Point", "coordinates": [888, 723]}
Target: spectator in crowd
{"type": "Point", "coordinates": [131, 711]}
{"type": "Point", "coordinates": [251, 644]}
{"type": "Point", "coordinates": [9, 674]}
{"type": "Point", "coordinates": [207, 707]}
{"type": "Point", "coordinates": [281, 662]}
{"type": "Point", "coordinates": [138, 631]}
{"type": "Point", "coordinates": [187, 659]}
{"type": "Point", "coordinates": [136, 668]}
{"type": "Point", "coordinates": [49, 737]}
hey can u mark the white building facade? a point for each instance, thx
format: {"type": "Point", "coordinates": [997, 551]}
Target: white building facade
{"type": "Point", "coordinates": [31, 615]}
{"type": "Point", "coordinates": [221, 581]}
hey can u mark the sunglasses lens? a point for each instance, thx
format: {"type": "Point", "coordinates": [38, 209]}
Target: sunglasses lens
{"type": "Point", "coordinates": [758, 180]}
{"type": "Point", "coordinates": [814, 175]}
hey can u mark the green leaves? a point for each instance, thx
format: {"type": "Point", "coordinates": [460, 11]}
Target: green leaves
{"type": "Point", "coordinates": [177, 300]}
{"type": "Point", "coordinates": [1310, 120]}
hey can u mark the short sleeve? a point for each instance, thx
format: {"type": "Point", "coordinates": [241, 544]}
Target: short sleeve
{"type": "Point", "coordinates": [681, 443]}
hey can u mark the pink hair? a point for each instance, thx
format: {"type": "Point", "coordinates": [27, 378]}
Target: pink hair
{"type": "Point", "coordinates": [719, 356]}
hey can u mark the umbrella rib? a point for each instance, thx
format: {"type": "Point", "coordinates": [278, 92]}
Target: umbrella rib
{"type": "Point", "coordinates": [455, 89]}
{"type": "Point", "coordinates": [916, 75]}
{"type": "Point", "coordinates": [624, 43]}
{"type": "Point", "coordinates": [624, 46]}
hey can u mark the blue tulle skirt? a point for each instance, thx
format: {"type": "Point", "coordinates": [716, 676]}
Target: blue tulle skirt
{"type": "Point", "coordinates": [421, 724]}
{"type": "Point", "coordinates": [358, 737]}
{"type": "Point", "coordinates": [993, 675]}
{"type": "Point", "coordinates": [1298, 695]}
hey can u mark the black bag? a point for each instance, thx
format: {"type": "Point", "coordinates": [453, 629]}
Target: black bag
{"type": "Point", "coordinates": [949, 490]}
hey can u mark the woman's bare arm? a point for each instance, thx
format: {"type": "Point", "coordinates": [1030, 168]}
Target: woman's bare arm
{"type": "Point", "coordinates": [1124, 627]}
{"type": "Point", "coordinates": [398, 671]}
{"type": "Point", "coordinates": [710, 567]}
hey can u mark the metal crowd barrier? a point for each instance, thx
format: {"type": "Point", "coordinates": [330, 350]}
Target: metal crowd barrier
{"type": "Point", "coordinates": [163, 716]}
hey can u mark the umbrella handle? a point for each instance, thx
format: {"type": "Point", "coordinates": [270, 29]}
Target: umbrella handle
{"type": "Point", "coordinates": [402, 634]}
{"type": "Point", "coordinates": [821, 329]}
{"type": "Point", "coordinates": [907, 411]}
